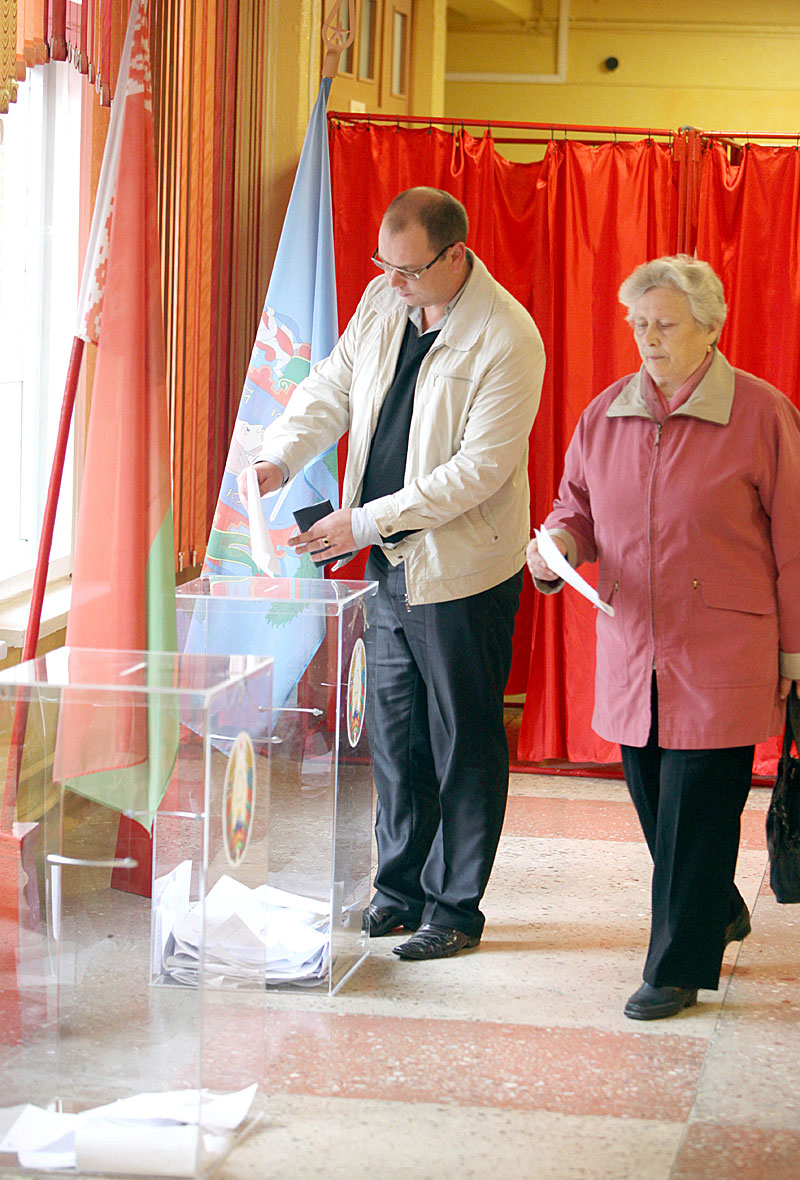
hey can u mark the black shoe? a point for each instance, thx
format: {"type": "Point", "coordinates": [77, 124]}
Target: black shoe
{"type": "Point", "coordinates": [654, 1003]}
{"type": "Point", "coordinates": [379, 920]}
{"type": "Point", "coordinates": [739, 928]}
{"type": "Point", "coordinates": [436, 942]}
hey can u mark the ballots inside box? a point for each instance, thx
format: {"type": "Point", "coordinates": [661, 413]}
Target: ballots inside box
{"type": "Point", "coordinates": [309, 515]}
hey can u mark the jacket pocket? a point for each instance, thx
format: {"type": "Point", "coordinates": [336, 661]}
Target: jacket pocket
{"type": "Point", "coordinates": [733, 633]}
{"type": "Point", "coordinates": [612, 647]}
{"type": "Point", "coordinates": [476, 528]}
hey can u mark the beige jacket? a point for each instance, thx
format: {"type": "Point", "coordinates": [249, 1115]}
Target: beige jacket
{"type": "Point", "coordinates": [466, 480]}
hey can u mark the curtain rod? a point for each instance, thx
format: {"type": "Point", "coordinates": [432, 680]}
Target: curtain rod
{"type": "Point", "coordinates": [748, 136]}
{"type": "Point", "coordinates": [500, 125]}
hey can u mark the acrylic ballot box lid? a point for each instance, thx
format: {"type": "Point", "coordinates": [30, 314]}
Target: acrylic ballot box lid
{"type": "Point", "coordinates": [324, 595]}
{"type": "Point", "coordinates": [112, 671]}
{"type": "Point", "coordinates": [101, 749]}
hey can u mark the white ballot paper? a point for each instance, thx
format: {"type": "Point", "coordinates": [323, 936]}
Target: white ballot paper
{"type": "Point", "coordinates": [262, 934]}
{"type": "Point", "coordinates": [559, 565]}
{"type": "Point", "coordinates": [174, 1133]}
{"type": "Point", "coordinates": [261, 546]}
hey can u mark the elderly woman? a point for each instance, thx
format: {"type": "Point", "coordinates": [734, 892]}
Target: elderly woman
{"type": "Point", "coordinates": [683, 481]}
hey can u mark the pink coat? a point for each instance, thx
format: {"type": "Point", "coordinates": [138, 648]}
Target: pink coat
{"type": "Point", "coordinates": [696, 526]}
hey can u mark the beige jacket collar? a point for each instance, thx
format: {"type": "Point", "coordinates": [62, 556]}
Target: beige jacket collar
{"type": "Point", "coordinates": [468, 317]}
{"type": "Point", "coordinates": [711, 401]}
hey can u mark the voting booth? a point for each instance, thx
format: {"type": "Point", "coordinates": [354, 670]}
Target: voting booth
{"type": "Point", "coordinates": [101, 750]}
{"type": "Point", "coordinates": [318, 636]}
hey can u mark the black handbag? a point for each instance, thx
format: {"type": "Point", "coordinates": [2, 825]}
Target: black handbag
{"type": "Point", "coordinates": [783, 815]}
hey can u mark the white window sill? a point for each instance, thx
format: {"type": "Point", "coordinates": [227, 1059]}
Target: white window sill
{"type": "Point", "coordinates": [14, 613]}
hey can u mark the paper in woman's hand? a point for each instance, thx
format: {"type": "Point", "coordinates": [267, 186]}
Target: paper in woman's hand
{"type": "Point", "coordinates": [559, 565]}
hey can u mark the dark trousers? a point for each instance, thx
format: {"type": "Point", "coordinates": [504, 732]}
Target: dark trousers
{"type": "Point", "coordinates": [441, 753]}
{"type": "Point", "coordinates": [689, 804]}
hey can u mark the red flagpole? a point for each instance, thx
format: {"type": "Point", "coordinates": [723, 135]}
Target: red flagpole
{"type": "Point", "coordinates": [40, 578]}
{"type": "Point", "coordinates": [17, 842]}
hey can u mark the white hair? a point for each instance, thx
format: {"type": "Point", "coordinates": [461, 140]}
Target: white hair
{"type": "Point", "coordinates": [694, 278]}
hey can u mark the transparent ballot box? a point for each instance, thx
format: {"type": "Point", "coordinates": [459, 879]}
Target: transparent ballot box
{"type": "Point", "coordinates": [321, 644]}
{"type": "Point", "coordinates": [135, 790]}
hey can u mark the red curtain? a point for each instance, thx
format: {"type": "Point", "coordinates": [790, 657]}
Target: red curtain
{"type": "Point", "coordinates": [560, 235]}
{"type": "Point", "coordinates": [748, 229]}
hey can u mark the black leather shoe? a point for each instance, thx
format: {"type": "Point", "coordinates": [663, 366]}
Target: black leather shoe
{"type": "Point", "coordinates": [654, 1003]}
{"type": "Point", "coordinates": [436, 942]}
{"type": "Point", "coordinates": [380, 921]}
{"type": "Point", "coordinates": [739, 928]}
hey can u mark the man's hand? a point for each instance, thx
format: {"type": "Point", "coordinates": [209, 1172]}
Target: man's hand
{"type": "Point", "coordinates": [785, 687]}
{"type": "Point", "coordinates": [537, 564]}
{"type": "Point", "coordinates": [269, 477]}
{"type": "Point", "coordinates": [331, 536]}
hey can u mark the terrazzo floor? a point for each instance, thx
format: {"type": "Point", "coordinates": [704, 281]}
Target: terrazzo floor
{"type": "Point", "coordinates": [514, 1060]}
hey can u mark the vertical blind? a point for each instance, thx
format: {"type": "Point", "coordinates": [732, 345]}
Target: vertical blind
{"type": "Point", "coordinates": [209, 93]}
{"type": "Point", "coordinates": [210, 97]}
{"type": "Point", "coordinates": [22, 44]}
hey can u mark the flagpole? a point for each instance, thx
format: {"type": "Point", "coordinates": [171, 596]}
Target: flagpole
{"type": "Point", "coordinates": [88, 307]}
{"type": "Point", "coordinates": [51, 504]}
{"type": "Point", "coordinates": [40, 580]}
{"type": "Point", "coordinates": [337, 37]}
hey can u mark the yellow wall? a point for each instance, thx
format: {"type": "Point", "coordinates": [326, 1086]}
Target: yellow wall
{"type": "Point", "coordinates": [715, 64]}
{"type": "Point", "coordinates": [293, 57]}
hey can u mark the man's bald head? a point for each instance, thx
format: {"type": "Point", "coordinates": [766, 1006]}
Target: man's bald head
{"type": "Point", "coordinates": [443, 218]}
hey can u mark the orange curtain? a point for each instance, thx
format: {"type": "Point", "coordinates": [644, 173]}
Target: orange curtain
{"type": "Point", "coordinates": [209, 95]}
{"type": "Point", "coordinates": [22, 44]}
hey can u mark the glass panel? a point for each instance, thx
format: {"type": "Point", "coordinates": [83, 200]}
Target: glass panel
{"type": "Point", "coordinates": [346, 60]}
{"type": "Point", "coordinates": [320, 821]}
{"type": "Point", "coordinates": [39, 188]}
{"type": "Point", "coordinates": [399, 27]}
{"type": "Point", "coordinates": [366, 51]}
{"type": "Point", "coordinates": [97, 750]}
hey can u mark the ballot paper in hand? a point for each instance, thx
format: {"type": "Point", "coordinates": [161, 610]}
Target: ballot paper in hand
{"type": "Point", "coordinates": [261, 546]}
{"type": "Point", "coordinates": [559, 565]}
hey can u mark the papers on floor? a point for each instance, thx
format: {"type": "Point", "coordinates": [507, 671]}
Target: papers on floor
{"type": "Point", "coordinates": [559, 565]}
{"type": "Point", "coordinates": [176, 1133]}
{"type": "Point", "coordinates": [251, 935]}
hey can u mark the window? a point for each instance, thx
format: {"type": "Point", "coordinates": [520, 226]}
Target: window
{"type": "Point", "coordinates": [39, 192]}
{"type": "Point", "coordinates": [399, 49]}
{"type": "Point", "coordinates": [374, 72]}
{"type": "Point", "coordinates": [366, 40]}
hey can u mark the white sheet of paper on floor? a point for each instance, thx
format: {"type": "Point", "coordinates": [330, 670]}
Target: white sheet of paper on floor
{"type": "Point", "coordinates": [182, 1137]}
{"type": "Point", "coordinates": [251, 934]}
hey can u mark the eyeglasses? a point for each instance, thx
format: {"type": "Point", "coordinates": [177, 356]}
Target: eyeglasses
{"type": "Point", "coordinates": [409, 274]}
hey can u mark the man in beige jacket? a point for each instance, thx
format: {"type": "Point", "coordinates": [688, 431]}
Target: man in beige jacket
{"type": "Point", "coordinates": [437, 378]}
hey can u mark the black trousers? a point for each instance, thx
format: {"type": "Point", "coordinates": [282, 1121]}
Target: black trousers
{"type": "Point", "coordinates": [689, 804]}
{"type": "Point", "coordinates": [441, 753]}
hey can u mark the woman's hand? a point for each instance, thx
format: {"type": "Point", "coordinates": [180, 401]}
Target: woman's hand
{"type": "Point", "coordinates": [785, 687]}
{"type": "Point", "coordinates": [536, 563]}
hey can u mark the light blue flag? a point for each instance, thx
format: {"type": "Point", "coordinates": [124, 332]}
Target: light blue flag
{"type": "Point", "coordinates": [298, 327]}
